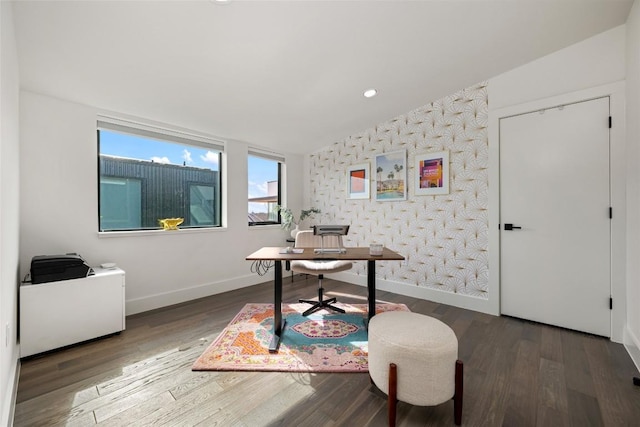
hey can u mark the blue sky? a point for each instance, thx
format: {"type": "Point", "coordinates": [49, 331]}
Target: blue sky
{"type": "Point", "coordinates": [261, 171]}
{"type": "Point", "coordinates": [134, 147]}
{"type": "Point", "coordinates": [388, 161]}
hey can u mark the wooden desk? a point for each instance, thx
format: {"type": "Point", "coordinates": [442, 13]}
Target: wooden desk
{"type": "Point", "coordinates": [351, 254]}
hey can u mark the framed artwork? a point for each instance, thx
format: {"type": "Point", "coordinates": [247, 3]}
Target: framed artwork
{"type": "Point", "coordinates": [358, 181]}
{"type": "Point", "coordinates": [432, 173]}
{"type": "Point", "coordinates": [391, 176]}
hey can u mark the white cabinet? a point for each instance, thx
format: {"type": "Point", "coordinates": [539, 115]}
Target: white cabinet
{"type": "Point", "coordinates": [57, 314]}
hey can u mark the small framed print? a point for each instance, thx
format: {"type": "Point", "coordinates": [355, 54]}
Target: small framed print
{"type": "Point", "coordinates": [391, 173]}
{"type": "Point", "coordinates": [358, 181]}
{"type": "Point", "coordinates": [432, 173]}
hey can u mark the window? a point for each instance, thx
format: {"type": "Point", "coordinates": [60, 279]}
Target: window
{"type": "Point", "coordinates": [147, 174]}
{"type": "Point", "coordinates": [201, 205]}
{"type": "Point", "coordinates": [120, 203]}
{"type": "Point", "coordinates": [264, 175]}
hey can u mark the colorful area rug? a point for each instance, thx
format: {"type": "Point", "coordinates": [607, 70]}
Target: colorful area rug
{"type": "Point", "coordinates": [324, 341]}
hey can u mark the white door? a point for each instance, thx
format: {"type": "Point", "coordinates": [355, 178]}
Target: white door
{"type": "Point", "coordinates": [554, 184]}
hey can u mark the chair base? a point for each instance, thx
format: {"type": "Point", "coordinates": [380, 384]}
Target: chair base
{"type": "Point", "coordinates": [320, 304]}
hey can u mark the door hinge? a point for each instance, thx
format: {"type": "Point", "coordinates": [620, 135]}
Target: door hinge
{"type": "Point", "coordinates": [610, 303]}
{"type": "Point", "coordinates": [610, 122]}
{"type": "Point", "coordinates": [610, 212]}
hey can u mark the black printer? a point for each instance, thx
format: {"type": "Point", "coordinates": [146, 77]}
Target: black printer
{"type": "Point", "coordinates": [52, 268]}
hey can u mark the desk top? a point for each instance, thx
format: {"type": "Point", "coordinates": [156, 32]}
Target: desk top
{"type": "Point", "coordinates": [351, 254]}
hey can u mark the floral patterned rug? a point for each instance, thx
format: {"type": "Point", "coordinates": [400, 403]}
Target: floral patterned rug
{"type": "Point", "coordinates": [324, 341]}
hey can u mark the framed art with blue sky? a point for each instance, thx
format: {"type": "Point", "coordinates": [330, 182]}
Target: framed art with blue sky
{"type": "Point", "coordinates": [358, 181]}
{"type": "Point", "coordinates": [391, 176]}
{"type": "Point", "coordinates": [432, 173]}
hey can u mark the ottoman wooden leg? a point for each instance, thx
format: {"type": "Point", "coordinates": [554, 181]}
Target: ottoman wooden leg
{"type": "Point", "coordinates": [457, 397]}
{"type": "Point", "coordinates": [393, 393]}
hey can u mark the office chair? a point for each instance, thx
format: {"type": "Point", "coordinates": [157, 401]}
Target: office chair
{"type": "Point", "coordinates": [307, 239]}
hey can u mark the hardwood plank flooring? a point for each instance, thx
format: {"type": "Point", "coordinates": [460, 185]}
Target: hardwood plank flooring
{"type": "Point", "coordinates": [517, 373]}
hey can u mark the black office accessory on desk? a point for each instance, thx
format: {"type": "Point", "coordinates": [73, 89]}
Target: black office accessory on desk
{"type": "Point", "coordinates": [330, 230]}
{"type": "Point", "coordinates": [53, 268]}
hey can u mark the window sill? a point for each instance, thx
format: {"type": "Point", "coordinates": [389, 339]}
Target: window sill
{"type": "Point", "coordinates": [264, 226]}
{"type": "Point", "coordinates": [141, 233]}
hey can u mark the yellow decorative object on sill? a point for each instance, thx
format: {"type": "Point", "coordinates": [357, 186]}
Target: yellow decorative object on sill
{"type": "Point", "coordinates": [170, 223]}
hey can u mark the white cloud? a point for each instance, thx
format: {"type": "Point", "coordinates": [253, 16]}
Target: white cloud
{"type": "Point", "coordinates": [263, 188]}
{"type": "Point", "coordinates": [210, 157]}
{"type": "Point", "coordinates": [257, 189]}
{"type": "Point", "coordinates": [395, 156]}
{"type": "Point", "coordinates": [164, 160]}
{"type": "Point", "coordinates": [186, 156]}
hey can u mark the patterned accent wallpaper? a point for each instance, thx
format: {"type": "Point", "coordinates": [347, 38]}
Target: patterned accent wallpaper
{"type": "Point", "coordinates": [443, 237]}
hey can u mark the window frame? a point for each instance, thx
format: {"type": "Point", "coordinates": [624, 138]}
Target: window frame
{"type": "Point", "coordinates": [172, 136]}
{"type": "Point", "coordinates": [280, 160]}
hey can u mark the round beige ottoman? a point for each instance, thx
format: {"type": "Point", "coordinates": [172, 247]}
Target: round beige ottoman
{"type": "Point", "coordinates": [413, 358]}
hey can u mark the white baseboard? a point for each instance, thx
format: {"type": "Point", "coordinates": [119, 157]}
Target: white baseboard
{"type": "Point", "coordinates": [9, 401]}
{"type": "Point", "coordinates": [151, 302]}
{"type": "Point", "coordinates": [632, 344]}
{"type": "Point", "coordinates": [456, 300]}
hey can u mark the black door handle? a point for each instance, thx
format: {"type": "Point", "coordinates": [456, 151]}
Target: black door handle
{"type": "Point", "coordinates": [511, 227]}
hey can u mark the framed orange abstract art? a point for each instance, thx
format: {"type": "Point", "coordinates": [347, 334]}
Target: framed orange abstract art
{"type": "Point", "coordinates": [358, 181]}
{"type": "Point", "coordinates": [432, 173]}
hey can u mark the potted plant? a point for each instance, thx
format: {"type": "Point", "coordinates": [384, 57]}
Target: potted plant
{"type": "Point", "coordinates": [289, 220]}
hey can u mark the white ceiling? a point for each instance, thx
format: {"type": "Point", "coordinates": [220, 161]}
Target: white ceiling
{"type": "Point", "coordinates": [286, 75]}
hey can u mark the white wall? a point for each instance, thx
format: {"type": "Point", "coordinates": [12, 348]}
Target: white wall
{"type": "Point", "coordinates": [594, 67]}
{"type": "Point", "coordinates": [59, 213]}
{"type": "Point", "coordinates": [9, 214]}
{"type": "Point", "coordinates": [632, 340]}
{"type": "Point", "coordinates": [586, 66]}
{"type": "Point", "coordinates": [592, 62]}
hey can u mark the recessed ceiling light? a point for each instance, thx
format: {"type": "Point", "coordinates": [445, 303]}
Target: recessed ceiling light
{"type": "Point", "coordinates": [370, 93]}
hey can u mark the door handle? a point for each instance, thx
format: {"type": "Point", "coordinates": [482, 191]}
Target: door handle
{"type": "Point", "coordinates": [509, 227]}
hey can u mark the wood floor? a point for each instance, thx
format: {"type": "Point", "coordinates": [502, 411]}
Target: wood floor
{"type": "Point", "coordinates": [516, 373]}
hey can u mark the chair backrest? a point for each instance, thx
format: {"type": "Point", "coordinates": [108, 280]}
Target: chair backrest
{"type": "Point", "coordinates": [306, 239]}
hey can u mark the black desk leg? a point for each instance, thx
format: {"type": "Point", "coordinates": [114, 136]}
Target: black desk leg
{"type": "Point", "coordinates": [371, 286]}
{"type": "Point", "coordinates": [278, 321]}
